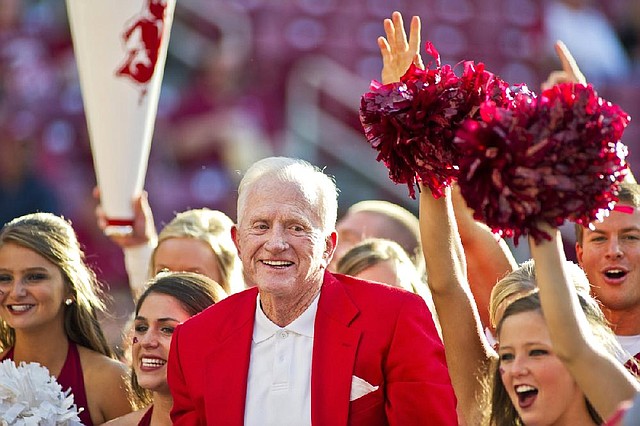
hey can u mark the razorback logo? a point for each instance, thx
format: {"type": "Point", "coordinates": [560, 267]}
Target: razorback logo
{"type": "Point", "coordinates": [142, 38]}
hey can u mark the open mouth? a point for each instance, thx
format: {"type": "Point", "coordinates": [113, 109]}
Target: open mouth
{"type": "Point", "coordinates": [526, 395]}
{"type": "Point", "coordinates": [615, 274]}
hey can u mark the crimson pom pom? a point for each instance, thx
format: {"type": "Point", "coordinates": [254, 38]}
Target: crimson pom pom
{"type": "Point", "coordinates": [544, 159]}
{"type": "Point", "coordinates": [412, 123]}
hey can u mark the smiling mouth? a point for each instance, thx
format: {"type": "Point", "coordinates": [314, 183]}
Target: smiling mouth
{"type": "Point", "coordinates": [19, 308]}
{"type": "Point", "coordinates": [280, 264]}
{"type": "Point", "coordinates": [526, 395]}
{"type": "Point", "coordinates": [152, 362]}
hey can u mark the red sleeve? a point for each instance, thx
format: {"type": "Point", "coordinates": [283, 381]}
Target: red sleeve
{"type": "Point", "coordinates": [418, 386]}
{"type": "Point", "coordinates": [183, 411]}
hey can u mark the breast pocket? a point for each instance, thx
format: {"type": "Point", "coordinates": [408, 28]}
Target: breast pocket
{"type": "Point", "coordinates": [368, 409]}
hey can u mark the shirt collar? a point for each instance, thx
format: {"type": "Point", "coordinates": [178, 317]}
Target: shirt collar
{"type": "Point", "coordinates": [264, 328]}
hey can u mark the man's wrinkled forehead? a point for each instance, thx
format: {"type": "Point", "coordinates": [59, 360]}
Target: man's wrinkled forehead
{"type": "Point", "coordinates": [285, 192]}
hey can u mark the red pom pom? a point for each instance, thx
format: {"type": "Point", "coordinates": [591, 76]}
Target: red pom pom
{"type": "Point", "coordinates": [543, 159]}
{"type": "Point", "coordinates": [412, 123]}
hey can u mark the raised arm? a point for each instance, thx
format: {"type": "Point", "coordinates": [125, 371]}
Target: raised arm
{"type": "Point", "coordinates": [466, 348]}
{"type": "Point", "coordinates": [603, 379]}
{"type": "Point", "coordinates": [570, 73]}
{"type": "Point", "coordinates": [398, 53]}
{"type": "Point", "coordinates": [488, 256]}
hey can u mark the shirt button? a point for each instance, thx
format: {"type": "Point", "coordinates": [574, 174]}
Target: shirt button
{"type": "Point", "coordinates": [283, 334]}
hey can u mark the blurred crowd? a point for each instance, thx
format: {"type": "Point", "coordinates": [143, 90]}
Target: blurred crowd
{"type": "Point", "coordinates": [231, 96]}
{"type": "Point", "coordinates": [225, 94]}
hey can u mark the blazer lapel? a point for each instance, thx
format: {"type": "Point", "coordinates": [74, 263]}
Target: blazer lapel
{"type": "Point", "coordinates": [228, 368]}
{"type": "Point", "coordinates": [334, 353]}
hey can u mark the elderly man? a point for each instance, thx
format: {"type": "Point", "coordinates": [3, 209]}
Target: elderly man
{"type": "Point", "coordinates": [305, 346]}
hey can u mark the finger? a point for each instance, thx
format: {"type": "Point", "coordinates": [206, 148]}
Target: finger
{"type": "Point", "coordinates": [138, 209]}
{"type": "Point", "coordinates": [102, 223]}
{"type": "Point", "coordinates": [145, 207]}
{"type": "Point", "coordinates": [389, 31]}
{"type": "Point", "coordinates": [147, 215]}
{"type": "Point", "coordinates": [400, 34]}
{"type": "Point", "coordinates": [143, 201]}
{"type": "Point", "coordinates": [566, 59]}
{"type": "Point", "coordinates": [387, 58]}
{"type": "Point", "coordinates": [385, 49]}
{"type": "Point", "coordinates": [100, 217]}
{"type": "Point", "coordinates": [96, 192]}
{"type": "Point", "coordinates": [414, 35]}
{"type": "Point", "coordinates": [569, 64]}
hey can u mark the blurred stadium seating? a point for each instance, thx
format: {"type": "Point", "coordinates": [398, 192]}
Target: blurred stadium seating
{"type": "Point", "coordinates": [308, 63]}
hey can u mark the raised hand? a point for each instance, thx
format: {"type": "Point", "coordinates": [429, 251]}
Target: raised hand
{"type": "Point", "coordinates": [398, 53]}
{"type": "Point", "coordinates": [144, 231]}
{"type": "Point", "coordinates": [570, 72]}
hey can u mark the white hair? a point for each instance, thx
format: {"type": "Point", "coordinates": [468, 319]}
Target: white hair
{"type": "Point", "coordinates": [311, 179]}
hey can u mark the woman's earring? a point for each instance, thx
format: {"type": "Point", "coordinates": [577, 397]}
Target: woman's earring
{"type": "Point", "coordinates": [68, 301]}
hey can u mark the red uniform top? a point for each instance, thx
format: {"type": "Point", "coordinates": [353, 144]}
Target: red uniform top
{"type": "Point", "coordinates": [146, 419]}
{"type": "Point", "coordinates": [71, 377]}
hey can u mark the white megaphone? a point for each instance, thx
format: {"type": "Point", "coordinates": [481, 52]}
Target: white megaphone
{"type": "Point", "coordinates": [120, 48]}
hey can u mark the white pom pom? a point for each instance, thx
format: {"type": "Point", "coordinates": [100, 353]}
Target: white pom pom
{"type": "Point", "coordinates": [29, 395]}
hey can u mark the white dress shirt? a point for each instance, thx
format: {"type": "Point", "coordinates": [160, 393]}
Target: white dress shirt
{"type": "Point", "coordinates": [279, 383]}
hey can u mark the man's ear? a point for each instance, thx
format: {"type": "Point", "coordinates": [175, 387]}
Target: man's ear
{"type": "Point", "coordinates": [579, 253]}
{"type": "Point", "coordinates": [330, 246]}
{"type": "Point", "coordinates": [234, 237]}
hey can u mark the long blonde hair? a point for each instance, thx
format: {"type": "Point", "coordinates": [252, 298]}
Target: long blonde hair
{"type": "Point", "coordinates": [372, 251]}
{"type": "Point", "coordinates": [522, 281]}
{"type": "Point", "coordinates": [212, 227]}
{"type": "Point", "coordinates": [53, 238]}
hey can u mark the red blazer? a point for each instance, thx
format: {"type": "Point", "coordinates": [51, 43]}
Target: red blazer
{"type": "Point", "coordinates": [379, 333]}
